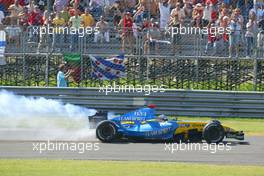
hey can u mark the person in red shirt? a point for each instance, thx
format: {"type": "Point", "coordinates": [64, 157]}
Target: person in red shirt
{"type": "Point", "coordinates": [127, 35]}
{"type": "Point", "coordinates": [211, 43]}
{"type": "Point", "coordinates": [35, 17]}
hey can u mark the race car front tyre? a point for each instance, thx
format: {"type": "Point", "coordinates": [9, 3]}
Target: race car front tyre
{"type": "Point", "coordinates": [213, 132]}
{"type": "Point", "coordinates": [106, 131]}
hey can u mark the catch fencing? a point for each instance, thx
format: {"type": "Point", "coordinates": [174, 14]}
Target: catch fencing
{"type": "Point", "coordinates": [172, 72]}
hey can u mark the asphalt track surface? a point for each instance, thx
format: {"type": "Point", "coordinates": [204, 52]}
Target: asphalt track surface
{"type": "Point", "coordinates": [248, 152]}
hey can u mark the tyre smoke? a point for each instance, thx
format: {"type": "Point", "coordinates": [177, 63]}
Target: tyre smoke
{"type": "Point", "coordinates": [41, 118]}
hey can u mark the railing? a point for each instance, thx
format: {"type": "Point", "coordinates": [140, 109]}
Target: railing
{"type": "Point", "coordinates": [170, 102]}
{"type": "Point", "coordinates": [190, 45]}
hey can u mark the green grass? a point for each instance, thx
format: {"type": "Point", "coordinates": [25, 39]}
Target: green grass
{"type": "Point", "coordinates": [250, 126]}
{"type": "Point", "coordinates": [122, 168]}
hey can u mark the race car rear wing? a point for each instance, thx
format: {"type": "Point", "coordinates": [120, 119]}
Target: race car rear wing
{"type": "Point", "coordinates": [98, 117]}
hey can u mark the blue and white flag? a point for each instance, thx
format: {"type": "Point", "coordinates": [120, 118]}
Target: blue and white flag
{"type": "Point", "coordinates": [108, 69]}
{"type": "Point", "coordinates": [2, 47]}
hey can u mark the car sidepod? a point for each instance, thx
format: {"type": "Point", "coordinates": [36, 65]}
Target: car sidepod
{"type": "Point", "coordinates": [150, 130]}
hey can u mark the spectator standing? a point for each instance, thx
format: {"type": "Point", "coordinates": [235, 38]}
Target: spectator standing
{"type": "Point", "coordinates": [197, 15]}
{"type": "Point", "coordinates": [126, 25]}
{"type": "Point", "coordinates": [23, 18]}
{"type": "Point", "coordinates": [87, 19]}
{"type": "Point", "coordinates": [207, 13]}
{"type": "Point", "coordinates": [236, 25]}
{"type": "Point", "coordinates": [35, 19]}
{"type": "Point", "coordinates": [164, 9]}
{"type": "Point", "coordinates": [187, 8]}
{"type": "Point", "coordinates": [103, 31]}
{"type": "Point", "coordinates": [224, 40]}
{"type": "Point", "coordinates": [15, 9]}
{"type": "Point", "coordinates": [153, 36]}
{"type": "Point", "coordinates": [251, 33]}
{"type": "Point", "coordinates": [75, 24]}
{"type": "Point", "coordinates": [13, 32]}
{"type": "Point", "coordinates": [176, 20]}
{"type": "Point", "coordinates": [63, 76]}
{"type": "Point", "coordinates": [65, 14]}
{"type": "Point", "coordinates": [212, 38]}
{"type": "Point", "coordinates": [58, 36]}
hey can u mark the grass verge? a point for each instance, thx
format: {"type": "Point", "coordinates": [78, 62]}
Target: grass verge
{"type": "Point", "coordinates": [115, 168]}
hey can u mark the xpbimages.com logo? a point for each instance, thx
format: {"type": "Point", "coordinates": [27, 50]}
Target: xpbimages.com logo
{"type": "Point", "coordinates": [146, 89]}
{"type": "Point", "coordinates": [212, 148]}
{"type": "Point", "coordinates": [50, 30]}
{"type": "Point", "coordinates": [79, 147]}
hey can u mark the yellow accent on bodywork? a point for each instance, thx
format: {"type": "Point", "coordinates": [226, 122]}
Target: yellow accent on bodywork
{"type": "Point", "coordinates": [184, 126]}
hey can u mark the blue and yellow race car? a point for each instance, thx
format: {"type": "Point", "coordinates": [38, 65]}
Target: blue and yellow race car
{"type": "Point", "coordinates": [143, 124]}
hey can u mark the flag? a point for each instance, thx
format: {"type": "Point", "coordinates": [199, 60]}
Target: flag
{"type": "Point", "coordinates": [73, 63]}
{"type": "Point", "coordinates": [2, 47]}
{"type": "Point", "coordinates": [108, 69]}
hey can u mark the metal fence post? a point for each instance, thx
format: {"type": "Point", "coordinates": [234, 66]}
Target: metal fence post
{"type": "Point", "coordinates": [255, 74]}
{"type": "Point", "coordinates": [47, 71]}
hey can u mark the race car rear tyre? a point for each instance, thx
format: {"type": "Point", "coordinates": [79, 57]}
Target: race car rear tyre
{"type": "Point", "coordinates": [213, 133]}
{"type": "Point", "coordinates": [106, 131]}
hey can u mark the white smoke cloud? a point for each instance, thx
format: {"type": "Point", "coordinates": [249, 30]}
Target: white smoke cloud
{"type": "Point", "coordinates": [40, 118]}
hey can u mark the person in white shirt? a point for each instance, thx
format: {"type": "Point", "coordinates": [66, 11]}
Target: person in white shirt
{"type": "Point", "coordinates": [251, 33]}
{"type": "Point", "coordinates": [164, 8]}
{"type": "Point", "coordinates": [236, 25]}
{"type": "Point", "coordinates": [207, 13]}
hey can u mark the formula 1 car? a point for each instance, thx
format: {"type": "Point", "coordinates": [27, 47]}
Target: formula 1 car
{"type": "Point", "coordinates": [143, 124]}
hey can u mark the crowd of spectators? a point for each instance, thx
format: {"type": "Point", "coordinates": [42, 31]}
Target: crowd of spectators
{"type": "Point", "coordinates": [130, 18]}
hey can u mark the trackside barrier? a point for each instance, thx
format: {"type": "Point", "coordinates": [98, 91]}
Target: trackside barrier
{"type": "Point", "coordinates": [171, 102]}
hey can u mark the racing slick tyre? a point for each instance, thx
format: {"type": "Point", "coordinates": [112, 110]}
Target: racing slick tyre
{"type": "Point", "coordinates": [216, 121]}
{"type": "Point", "coordinates": [106, 131]}
{"type": "Point", "coordinates": [213, 132]}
